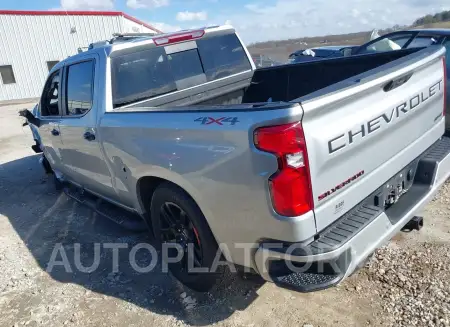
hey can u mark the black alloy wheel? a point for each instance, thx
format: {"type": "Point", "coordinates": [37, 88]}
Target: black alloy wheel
{"type": "Point", "coordinates": [177, 219]}
{"type": "Point", "coordinates": [177, 227]}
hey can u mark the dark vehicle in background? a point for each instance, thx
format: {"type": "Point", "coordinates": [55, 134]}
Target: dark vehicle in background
{"type": "Point", "coordinates": [264, 61]}
{"type": "Point", "coordinates": [410, 39]}
{"type": "Point", "coordinates": [319, 53]}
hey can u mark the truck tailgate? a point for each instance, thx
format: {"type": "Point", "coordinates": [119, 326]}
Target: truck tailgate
{"type": "Point", "coordinates": [378, 123]}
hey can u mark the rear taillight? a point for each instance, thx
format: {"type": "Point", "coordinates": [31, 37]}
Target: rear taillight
{"type": "Point", "coordinates": [290, 186]}
{"type": "Point", "coordinates": [179, 37]}
{"type": "Point", "coordinates": [445, 83]}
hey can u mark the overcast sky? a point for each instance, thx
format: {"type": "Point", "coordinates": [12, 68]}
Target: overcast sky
{"type": "Point", "coordinates": [257, 20]}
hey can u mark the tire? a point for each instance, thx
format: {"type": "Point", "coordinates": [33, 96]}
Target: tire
{"type": "Point", "coordinates": [170, 196]}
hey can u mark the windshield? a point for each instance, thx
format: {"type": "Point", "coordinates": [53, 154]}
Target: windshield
{"type": "Point", "coordinates": [389, 43]}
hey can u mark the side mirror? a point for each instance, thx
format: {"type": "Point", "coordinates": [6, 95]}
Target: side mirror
{"type": "Point", "coordinates": [30, 117]}
{"type": "Point", "coordinates": [347, 52]}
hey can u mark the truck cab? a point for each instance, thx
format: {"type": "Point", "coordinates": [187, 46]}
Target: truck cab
{"type": "Point", "coordinates": [176, 69]}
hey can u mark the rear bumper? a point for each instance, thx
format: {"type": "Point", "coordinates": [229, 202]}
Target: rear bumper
{"type": "Point", "coordinates": [345, 245]}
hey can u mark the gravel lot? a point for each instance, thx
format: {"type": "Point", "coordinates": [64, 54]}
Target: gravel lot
{"type": "Point", "coordinates": [407, 283]}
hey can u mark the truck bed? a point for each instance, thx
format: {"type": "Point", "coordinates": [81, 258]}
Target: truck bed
{"type": "Point", "coordinates": [292, 81]}
{"type": "Point", "coordinates": [282, 83]}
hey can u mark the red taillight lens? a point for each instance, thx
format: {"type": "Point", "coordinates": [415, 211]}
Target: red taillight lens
{"type": "Point", "coordinates": [290, 187]}
{"type": "Point", "coordinates": [445, 84]}
{"type": "Point", "coordinates": [179, 37]}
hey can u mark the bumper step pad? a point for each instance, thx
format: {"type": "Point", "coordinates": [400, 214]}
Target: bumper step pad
{"type": "Point", "coordinates": [313, 276]}
{"type": "Point", "coordinates": [348, 226]}
{"type": "Point", "coordinates": [306, 282]}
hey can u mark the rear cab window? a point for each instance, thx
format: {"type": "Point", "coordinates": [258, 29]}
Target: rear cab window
{"type": "Point", "coordinates": [141, 75]}
{"type": "Point", "coordinates": [186, 68]}
{"type": "Point", "coordinates": [222, 56]}
{"type": "Point", "coordinates": [158, 70]}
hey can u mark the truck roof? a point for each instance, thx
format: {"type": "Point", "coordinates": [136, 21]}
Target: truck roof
{"type": "Point", "coordinates": [130, 40]}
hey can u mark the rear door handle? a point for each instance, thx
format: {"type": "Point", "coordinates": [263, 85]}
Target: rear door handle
{"type": "Point", "coordinates": [89, 136]}
{"type": "Point", "coordinates": [55, 132]}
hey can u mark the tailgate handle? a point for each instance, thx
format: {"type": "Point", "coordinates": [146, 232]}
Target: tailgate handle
{"type": "Point", "coordinates": [397, 82]}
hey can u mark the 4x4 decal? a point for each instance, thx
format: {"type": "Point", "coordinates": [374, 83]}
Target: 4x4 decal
{"type": "Point", "coordinates": [218, 121]}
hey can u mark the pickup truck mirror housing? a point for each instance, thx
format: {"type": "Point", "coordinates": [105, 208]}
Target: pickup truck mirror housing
{"type": "Point", "coordinates": [347, 52]}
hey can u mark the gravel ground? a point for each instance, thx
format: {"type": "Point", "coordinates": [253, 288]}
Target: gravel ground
{"type": "Point", "coordinates": [405, 284]}
{"type": "Point", "coordinates": [413, 284]}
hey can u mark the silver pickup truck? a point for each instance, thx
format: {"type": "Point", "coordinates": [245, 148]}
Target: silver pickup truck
{"type": "Point", "coordinates": [298, 172]}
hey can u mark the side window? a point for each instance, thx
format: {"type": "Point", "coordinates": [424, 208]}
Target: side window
{"type": "Point", "coordinates": [423, 41]}
{"type": "Point", "coordinates": [7, 74]}
{"type": "Point", "coordinates": [51, 64]}
{"type": "Point", "coordinates": [390, 43]}
{"type": "Point", "coordinates": [222, 56]}
{"type": "Point", "coordinates": [79, 88]}
{"type": "Point", "coordinates": [50, 96]}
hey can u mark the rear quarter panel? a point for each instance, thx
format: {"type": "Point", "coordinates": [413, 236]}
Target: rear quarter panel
{"type": "Point", "coordinates": [212, 159]}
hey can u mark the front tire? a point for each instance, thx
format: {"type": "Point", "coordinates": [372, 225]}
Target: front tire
{"type": "Point", "coordinates": [176, 218]}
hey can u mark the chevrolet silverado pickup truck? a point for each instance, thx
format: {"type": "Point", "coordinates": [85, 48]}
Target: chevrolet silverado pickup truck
{"type": "Point", "coordinates": [315, 165]}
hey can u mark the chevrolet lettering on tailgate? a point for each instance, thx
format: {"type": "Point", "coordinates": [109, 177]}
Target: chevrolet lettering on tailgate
{"type": "Point", "coordinates": [341, 141]}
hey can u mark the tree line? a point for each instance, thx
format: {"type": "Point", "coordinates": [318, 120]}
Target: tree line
{"type": "Point", "coordinates": [443, 16]}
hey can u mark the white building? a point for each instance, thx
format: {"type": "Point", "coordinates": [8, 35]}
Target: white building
{"type": "Point", "coordinates": [32, 42]}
